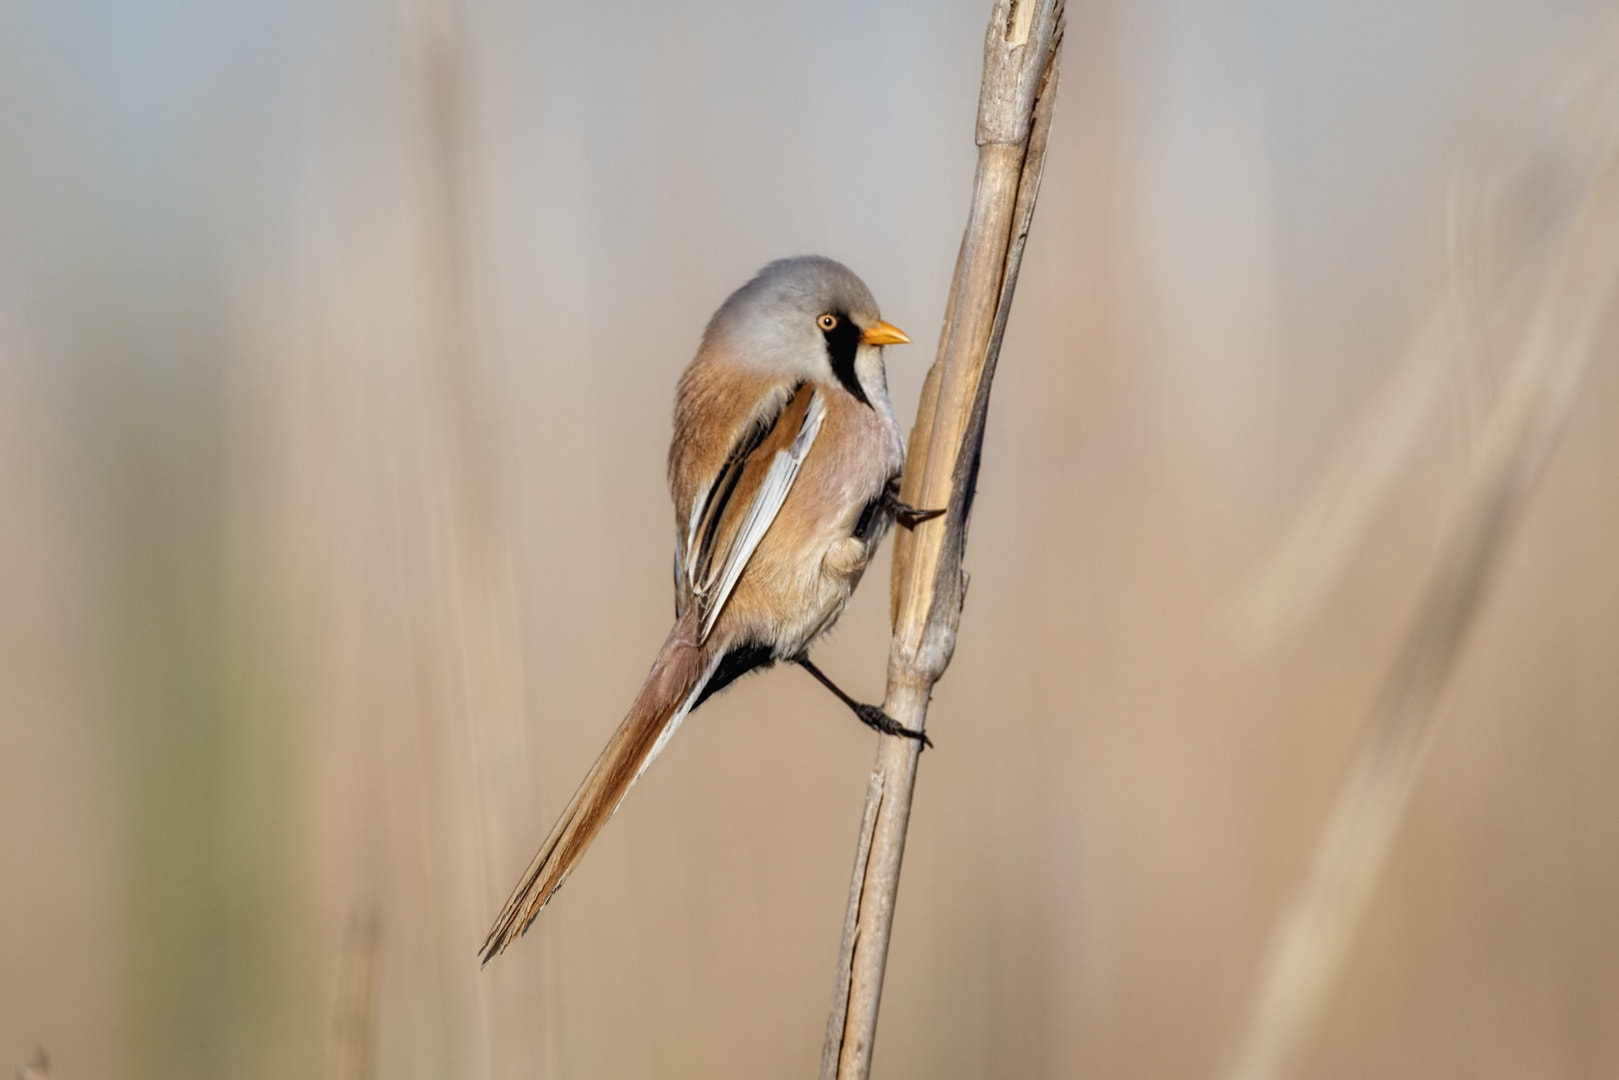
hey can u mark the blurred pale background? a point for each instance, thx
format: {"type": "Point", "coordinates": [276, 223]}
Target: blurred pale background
{"type": "Point", "coordinates": [336, 352]}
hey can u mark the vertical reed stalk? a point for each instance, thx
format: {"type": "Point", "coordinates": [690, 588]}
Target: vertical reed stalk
{"type": "Point", "coordinates": [941, 468]}
{"type": "Point", "coordinates": [354, 1022]}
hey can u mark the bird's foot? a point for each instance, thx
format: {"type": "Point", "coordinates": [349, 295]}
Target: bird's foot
{"type": "Point", "coordinates": [910, 517]}
{"type": "Point", "coordinates": [875, 718]}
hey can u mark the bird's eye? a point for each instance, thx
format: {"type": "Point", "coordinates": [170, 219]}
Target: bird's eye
{"type": "Point", "coordinates": [827, 322]}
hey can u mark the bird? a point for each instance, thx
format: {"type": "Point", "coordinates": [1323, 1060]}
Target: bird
{"type": "Point", "coordinates": [784, 469]}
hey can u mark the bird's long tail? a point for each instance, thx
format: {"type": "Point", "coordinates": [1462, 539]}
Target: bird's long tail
{"type": "Point", "coordinates": [672, 688]}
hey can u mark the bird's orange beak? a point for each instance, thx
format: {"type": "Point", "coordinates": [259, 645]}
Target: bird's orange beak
{"type": "Point", "coordinates": [881, 333]}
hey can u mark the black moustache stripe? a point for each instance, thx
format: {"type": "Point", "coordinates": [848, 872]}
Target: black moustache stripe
{"type": "Point", "coordinates": [842, 341]}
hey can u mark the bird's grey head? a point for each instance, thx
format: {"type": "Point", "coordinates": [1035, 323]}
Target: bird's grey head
{"type": "Point", "coordinates": [811, 317]}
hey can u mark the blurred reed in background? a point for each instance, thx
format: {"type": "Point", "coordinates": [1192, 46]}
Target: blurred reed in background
{"type": "Point", "coordinates": [336, 352]}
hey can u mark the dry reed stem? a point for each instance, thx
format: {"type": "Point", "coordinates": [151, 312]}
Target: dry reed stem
{"type": "Point", "coordinates": [1014, 118]}
{"type": "Point", "coordinates": [37, 1068]}
{"type": "Point", "coordinates": [465, 614]}
{"type": "Point", "coordinates": [1340, 509]}
{"type": "Point", "coordinates": [354, 1020]}
{"type": "Point", "coordinates": [1572, 308]}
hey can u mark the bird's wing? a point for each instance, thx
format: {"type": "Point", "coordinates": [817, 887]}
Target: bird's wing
{"type": "Point", "coordinates": [730, 518]}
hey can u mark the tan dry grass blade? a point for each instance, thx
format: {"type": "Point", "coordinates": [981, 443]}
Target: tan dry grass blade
{"type": "Point", "coordinates": [1569, 312]}
{"type": "Point", "coordinates": [1339, 511]}
{"type": "Point", "coordinates": [1494, 268]}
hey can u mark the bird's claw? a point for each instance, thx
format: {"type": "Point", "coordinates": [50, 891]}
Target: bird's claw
{"type": "Point", "coordinates": [875, 718]}
{"type": "Point", "coordinates": [910, 517]}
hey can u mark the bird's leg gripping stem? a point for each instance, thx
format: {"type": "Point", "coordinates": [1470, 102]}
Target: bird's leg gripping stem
{"type": "Point", "coordinates": [870, 715]}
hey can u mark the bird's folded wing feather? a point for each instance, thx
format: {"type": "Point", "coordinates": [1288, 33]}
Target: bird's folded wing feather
{"type": "Point", "coordinates": [731, 517]}
{"type": "Point", "coordinates": [762, 511]}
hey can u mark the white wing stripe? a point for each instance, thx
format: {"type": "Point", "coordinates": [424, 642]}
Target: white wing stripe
{"type": "Point", "coordinates": [699, 503]}
{"type": "Point", "coordinates": [766, 505]}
